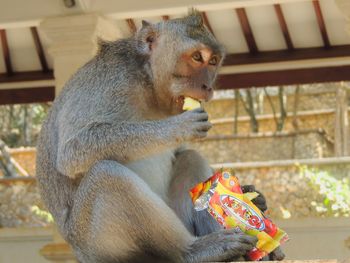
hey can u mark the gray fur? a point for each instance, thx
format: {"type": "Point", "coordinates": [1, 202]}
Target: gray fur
{"type": "Point", "coordinates": [107, 165]}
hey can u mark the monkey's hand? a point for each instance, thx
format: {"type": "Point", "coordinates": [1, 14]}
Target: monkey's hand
{"type": "Point", "coordinates": [276, 255]}
{"type": "Point", "coordinates": [191, 124]}
{"type": "Point", "coordinates": [259, 201]}
{"type": "Point", "coordinates": [220, 246]}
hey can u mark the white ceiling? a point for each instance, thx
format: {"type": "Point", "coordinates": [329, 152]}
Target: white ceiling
{"type": "Point", "coordinates": [300, 17]}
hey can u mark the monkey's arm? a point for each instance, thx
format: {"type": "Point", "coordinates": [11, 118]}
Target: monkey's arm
{"type": "Point", "coordinates": [126, 141]}
{"type": "Point", "coordinates": [123, 142]}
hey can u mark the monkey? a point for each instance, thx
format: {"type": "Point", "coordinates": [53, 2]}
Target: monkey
{"type": "Point", "coordinates": [112, 167]}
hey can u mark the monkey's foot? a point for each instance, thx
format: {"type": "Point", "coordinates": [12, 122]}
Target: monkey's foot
{"type": "Point", "coordinates": [220, 246]}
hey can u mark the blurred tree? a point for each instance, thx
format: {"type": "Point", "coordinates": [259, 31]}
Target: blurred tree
{"type": "Point", "coordinates": [20, 124]}
{"type": "Point", "coordinates": [249, 106]}
{"type": "Point", "coordinates": [7, 165]}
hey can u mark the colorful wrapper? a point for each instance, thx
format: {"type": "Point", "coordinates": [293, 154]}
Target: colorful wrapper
{"type": "Point", "coordinates": [222, 196]}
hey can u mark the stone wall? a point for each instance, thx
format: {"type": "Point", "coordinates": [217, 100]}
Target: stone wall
{"type": "Point", "coordinates": [316, 111]}
{"type": "Point", "coordinates": [320, 100]}
{"type": "Point", "coordinates": [20, 202]}
{"type": "Point", "coordinates": [219, 149]}
{"type": "Point", "coordinates": [311, 120]}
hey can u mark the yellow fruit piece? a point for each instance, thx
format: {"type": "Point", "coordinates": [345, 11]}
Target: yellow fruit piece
{"type": "Point", "coordinates": [191, 104]}
{"type": "Point", "coordinates": [251, 195]}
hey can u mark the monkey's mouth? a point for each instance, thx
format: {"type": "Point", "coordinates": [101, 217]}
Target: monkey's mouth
{"type": "Point", "coordinates": [179, 101]}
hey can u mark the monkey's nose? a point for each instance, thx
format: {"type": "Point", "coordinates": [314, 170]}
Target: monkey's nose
{"type": "Point", "coordinates": [205, 87]}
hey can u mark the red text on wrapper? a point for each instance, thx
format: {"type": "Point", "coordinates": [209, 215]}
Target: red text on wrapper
{"type": "Point", "coordinates": [242, 212]}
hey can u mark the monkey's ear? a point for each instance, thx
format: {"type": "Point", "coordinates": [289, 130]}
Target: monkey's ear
{"type": "Point", "coordinates": [146, 23]}
{"type": "Point", "coordinates": [103, 45]}
{"type": "Point", "coordinates": [147, 35]}
{"type": "Point", "coordinates": [194, 18]}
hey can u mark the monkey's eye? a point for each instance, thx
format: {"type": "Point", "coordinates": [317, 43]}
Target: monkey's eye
{"type": "Point", "coordinates": [150, 39]}
{"type": "Point", "coordinates": [213, 61]}
{"type": "Point", "coordinates": [197, 57]}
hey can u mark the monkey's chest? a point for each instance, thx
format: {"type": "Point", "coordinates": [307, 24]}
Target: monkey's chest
{"type": "Point", "coordinates": [156, 171]}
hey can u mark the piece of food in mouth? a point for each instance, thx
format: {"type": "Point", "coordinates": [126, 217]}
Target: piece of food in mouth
{"type": "Point", "coordinates": [191, 104]}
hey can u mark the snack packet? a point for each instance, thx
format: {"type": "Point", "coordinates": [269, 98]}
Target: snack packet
{"type": "Point", "coordinates": [222, 196]}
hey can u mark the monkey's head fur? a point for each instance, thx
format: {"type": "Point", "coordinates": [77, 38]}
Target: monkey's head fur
{"type": "Point", "coordinates": [181, 57]}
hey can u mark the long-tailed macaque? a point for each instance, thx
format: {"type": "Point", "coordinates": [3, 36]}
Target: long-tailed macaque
{"type": "Point", "coordinates": [111, 166]}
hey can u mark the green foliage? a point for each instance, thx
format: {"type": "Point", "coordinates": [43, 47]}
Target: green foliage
{"type": "Point", "coordinates": [335, 192]}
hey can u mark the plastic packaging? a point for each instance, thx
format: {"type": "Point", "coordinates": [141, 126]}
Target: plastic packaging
{"type": "Point", "coordinates": [222, 196]}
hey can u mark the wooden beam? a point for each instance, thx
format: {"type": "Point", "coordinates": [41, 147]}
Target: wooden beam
{"type": "Point", "coordinates": [321, 23]}
{"type": "Point", "coordinates": [131, 24]}
{"type": "Point", "coordinates": [165, 18]}
{"type": "Point", "coordinates": [6, 52]}
{"type": "Point", "coordinates": [283, 26]}
{"type": "Point", "coordinates": [247, 31]}
{"type": "Point", "coordinates": [287, 55]}
{"type": "Point", "coordinates": [27, 95]}
{"type": "Point", "coordinates": [284, 77]}
{"type": "Point", "coordinates": [206, 22]}
{"type": "Point", "coordinates": [11, 15]}
{"type": "Point", "coordinates": [26, 76]}
{"type": "Point", "coordinates": [39, 49]}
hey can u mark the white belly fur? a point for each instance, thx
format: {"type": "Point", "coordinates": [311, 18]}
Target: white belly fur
{"type": "Point", "coordinates": [155, 171]}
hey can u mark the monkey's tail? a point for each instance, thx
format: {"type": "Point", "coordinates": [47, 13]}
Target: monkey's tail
{"type": "Point", "coordinates": [56, 190]}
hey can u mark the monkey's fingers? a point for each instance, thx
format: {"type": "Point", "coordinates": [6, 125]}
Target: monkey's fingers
{"type": "Point", "coordinates": [204, 117]}
{"type": "Point", "coordinates": [277, 254]}
{"type": "Point", "coordinates": [201, 116]}
{"type": "Point", "coordinates": [225, 244]}
{"type": "Point", "coordinates": [248, 188]}
{"type": "Point", "coordinates": [259, 201]}
{"type": "Point", "coordinates": [199, 110]}
{"type": "Point", "coordinates": [204, 126]}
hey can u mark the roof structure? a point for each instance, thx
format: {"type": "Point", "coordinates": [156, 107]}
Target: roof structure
{"type": "Point", "coordinates": [269, 42]}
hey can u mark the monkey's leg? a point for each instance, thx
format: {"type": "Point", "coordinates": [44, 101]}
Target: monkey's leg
{"type": "Point", "coordinates": [117, 218]}
{"type": "Point", "coordinates": [190, 168]}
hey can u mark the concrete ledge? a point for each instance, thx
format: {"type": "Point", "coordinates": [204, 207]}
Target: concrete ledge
{"type": "Point", "coordinates": [264, 135]}
{"type": "Point", "coordinates": [279, 163]}
{"type": "Point", "coordinates": [25, 234]}
{"type": "Point", "coordinates": [19, 245]}
{"type": "Point", "coordinates": [271, 116]}
{"type": "Point", "coordinates": [317, 238]}
{"type": "Point", "coordinates": [13, 180]}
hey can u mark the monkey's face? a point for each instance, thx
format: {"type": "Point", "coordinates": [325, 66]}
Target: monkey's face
{"type": "Point", "coordinates": [184, 58]}
{"type": "Point", "coordinates": [194, 74]}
